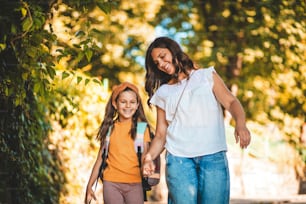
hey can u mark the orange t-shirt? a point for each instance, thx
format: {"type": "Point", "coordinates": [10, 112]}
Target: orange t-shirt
{"type": "Point", "coordinates": [122, 161]}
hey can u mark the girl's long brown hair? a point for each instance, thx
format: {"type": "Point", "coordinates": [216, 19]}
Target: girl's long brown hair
{"type": "Point", "coordinates": [111, 116]}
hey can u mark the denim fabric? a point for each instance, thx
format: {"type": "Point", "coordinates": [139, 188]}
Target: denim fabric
{"type": "Point", "coordinates": [198, 180]}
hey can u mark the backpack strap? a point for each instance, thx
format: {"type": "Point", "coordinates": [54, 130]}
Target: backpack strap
{"type": "Point", "coordinates": [138, 143]}
{"type": "Point", "coordinates": [139, 147]}
{"type": "Point", "coordinates": [104, 156]}
{"type": "Point", "coordinates": [104, 152]}
{"type": "Point", "coordinates": [106, 143]}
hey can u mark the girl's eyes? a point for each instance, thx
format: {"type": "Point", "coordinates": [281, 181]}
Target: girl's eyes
{"type": "Point", "coordinates": [132, 102]}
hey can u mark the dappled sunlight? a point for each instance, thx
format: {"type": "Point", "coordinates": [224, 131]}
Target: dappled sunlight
{"type": "Point", "coordinates": [60, 60]}
{"type": "Point", "coordinates": [76, 139]}
{"type": "Point", "coordinates": [264, 169]}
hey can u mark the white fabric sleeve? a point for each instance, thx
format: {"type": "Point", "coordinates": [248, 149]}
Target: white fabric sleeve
{"type": "Point", "coordinates": [158, 101]}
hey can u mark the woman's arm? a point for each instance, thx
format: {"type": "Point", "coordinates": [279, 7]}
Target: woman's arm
{"type": "Point", "coordinates": [146, 144]}
{"type": "Point", "coordinates": [232, 104]}
{"type": "Point", "coordinates": [157, 144]}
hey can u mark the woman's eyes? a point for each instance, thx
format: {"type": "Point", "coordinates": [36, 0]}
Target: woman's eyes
{"type": "Point", "coordinates": [161, 57]}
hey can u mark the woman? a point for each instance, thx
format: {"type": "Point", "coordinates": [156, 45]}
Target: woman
{"type": "Point", "coordinates": [190, 125]}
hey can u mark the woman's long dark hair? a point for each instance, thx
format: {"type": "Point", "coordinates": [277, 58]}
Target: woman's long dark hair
{"type": "Point", "coordinates": [154, 77]}
{"type": "Point", "coordinates": [111, 116]}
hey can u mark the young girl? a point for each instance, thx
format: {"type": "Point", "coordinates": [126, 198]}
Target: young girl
{"type": "Point", "coordinates": [190, 125]}
{"type": "Point", "coordinates": [122, 181]}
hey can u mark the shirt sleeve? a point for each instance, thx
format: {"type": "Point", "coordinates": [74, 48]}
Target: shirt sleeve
{"type": "Point", "coordinates": [158, 100]}
{"type": "Point", "coordinates": [208, 75]}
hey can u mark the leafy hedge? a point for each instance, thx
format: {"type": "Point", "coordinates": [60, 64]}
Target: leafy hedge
{"type": "Point", "coordinates": [29, 171]}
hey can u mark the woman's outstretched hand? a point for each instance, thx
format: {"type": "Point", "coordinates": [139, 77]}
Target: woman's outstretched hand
{"type": "Point", "coordinates": [242, 135]}
{"type": "Point", "coordinates": [148, 166]}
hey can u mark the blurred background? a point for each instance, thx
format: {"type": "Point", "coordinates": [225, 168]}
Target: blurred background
{"type": "Point", "coordinates": [59, 60]}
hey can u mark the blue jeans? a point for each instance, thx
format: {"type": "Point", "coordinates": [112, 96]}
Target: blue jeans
{"type": "Point", "coordinates": [198, 180]}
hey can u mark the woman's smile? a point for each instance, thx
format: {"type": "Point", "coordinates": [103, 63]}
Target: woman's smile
{"type": "Point", "coordinates": [162, 57]}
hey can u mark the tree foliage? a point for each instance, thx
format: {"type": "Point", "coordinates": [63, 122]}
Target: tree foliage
{"type": "Point", "coordinates": [51, 51]}
{"type": "Point", "coordinates": [31, 171]}
{"type": "Point", "coordinates": [112, 43]}
{"type": "Point", "coordinates": [33, 55]}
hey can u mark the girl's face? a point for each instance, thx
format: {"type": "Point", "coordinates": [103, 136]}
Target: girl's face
{"type": "Point", "coordinates": [126, 105]}
{"type": "Point", "coordinates": [162, 57]}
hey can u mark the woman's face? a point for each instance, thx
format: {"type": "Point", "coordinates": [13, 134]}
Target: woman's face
{"type": "Point", "coordinates": [162, 57]}
{"type": "Point", "coordinates": [126, 105]}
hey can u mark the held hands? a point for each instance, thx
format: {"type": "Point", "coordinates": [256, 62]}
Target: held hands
{"type": "Point", "coordinates": [148, 166]}
{"type": "Point", "coordinates": [243, 135]}
{"type": "Point", "coordinates": [89, 195]}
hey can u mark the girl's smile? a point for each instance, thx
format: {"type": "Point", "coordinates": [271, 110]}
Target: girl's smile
{"type": "Point", "coordinates": [126, 105]}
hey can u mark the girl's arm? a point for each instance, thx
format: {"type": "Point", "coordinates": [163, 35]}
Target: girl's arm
{"type": "Point", "coordinates": [93, 177]}
{"type": "Point", "coordinates": [157, 144]}
{"type": "Point", "coordinates": [232, 104]}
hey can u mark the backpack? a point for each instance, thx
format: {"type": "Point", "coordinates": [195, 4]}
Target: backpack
{"type": "Point", "coordinates": [147, 182]}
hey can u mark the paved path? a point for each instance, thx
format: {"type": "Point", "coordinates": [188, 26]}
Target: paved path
{"type": "Point", "coordinates": [298, 199]}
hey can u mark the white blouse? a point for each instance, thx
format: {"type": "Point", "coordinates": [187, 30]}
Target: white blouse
{"type": "Point", "coordinates": [198, 126]}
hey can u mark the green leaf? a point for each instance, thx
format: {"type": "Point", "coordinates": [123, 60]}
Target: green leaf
{"type": "Point", "coordinates": [46, 82]}
{"type": "Point", "coordinates": [6, 91]}
{"type": "Point", "coordinates": [105, 7]}
{"type": "Point", "coordinates": [80, 33]}
{"type": "Point", "coordinates": [17, 101]}
{"type": "Point", "coordinates": [13, 29]}
{"type": "Point", "coordinates": [36, 87]}
{"type": "Point", "coordinates": [26, 24]}
{"type": "Point", "coordinates": [87, 81]}
{"type": "Point", "coordinates": [97, 81]}
{"type": "Point", "coordinates": [80, 56]}
{"type": "Point", "coordinates": [51, 72]}
{"type": "Point", "coordinates": [94, 30]}
{"type": "Point", "coordinates": [79, 79]}
{"type": "Point", "coordinates": [38, 22]}
{"type": "Point", "coordinates": [65, 75]}
{"type": "Point", "coordinates": [60, 51]}
{"type": "Point", "coordinates": [2, 46]}
{"type": "Point", "coordinates": [25, 76]}
{"type": "Point", "coordinates": [88, 54]}
{"type": "Point", "coordinates": [32, 51]}
{"type": "Point", "coordinates": [23, 12]}
{"type": "Point", "coordinates": [76, 46]}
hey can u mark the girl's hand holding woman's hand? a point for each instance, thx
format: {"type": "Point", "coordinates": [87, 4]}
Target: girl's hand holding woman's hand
{"type": "Point", "coordinates": [148, 166]}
